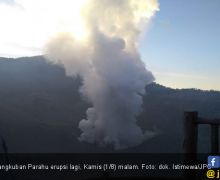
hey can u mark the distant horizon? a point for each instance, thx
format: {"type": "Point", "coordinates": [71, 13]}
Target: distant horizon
{"type": "Point", "coordinates": [154, 73]}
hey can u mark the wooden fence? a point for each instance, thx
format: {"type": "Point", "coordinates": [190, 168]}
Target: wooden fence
{"type": "Point", "coordinates": [191, 123]}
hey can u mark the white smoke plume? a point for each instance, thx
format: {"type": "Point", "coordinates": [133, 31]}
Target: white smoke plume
{"type": "Point", "coordinates": [114, 77]}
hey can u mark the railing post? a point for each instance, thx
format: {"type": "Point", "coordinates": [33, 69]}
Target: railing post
{"type": "Point", "coordinates": [190, 132]}
{"type": "Point", "coordinates": [214, 139]}
{"type": "Point", "coordinates": [190, 142]}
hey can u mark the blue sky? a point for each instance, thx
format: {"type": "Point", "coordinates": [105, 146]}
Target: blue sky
{"type": "Point", "coordinates": [182, 45]}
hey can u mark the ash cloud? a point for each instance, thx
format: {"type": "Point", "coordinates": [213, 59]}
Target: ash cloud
{"type": "Point", "coordinates": [114, 77]}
